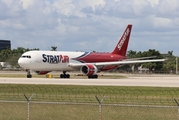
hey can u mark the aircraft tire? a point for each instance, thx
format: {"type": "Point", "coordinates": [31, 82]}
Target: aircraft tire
{"type": "Point", "coordinates": [67, 76]}
{"type": "Point", "coordinates": [93, 76]}
{"type": "Point", "coordinates": [29, 76]}
{"type": "Point", "coordinates": [64, 76]}
{"type": "Point", "coordinates": [96, 76]}
{"type": "Point", "coordinates": [61, 76]}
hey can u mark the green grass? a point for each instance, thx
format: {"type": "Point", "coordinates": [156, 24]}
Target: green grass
{"type": "Point", "coordinates": [72, 93]}
{"type": "Point", "coordinates": [150, 96]}
{"type": "Point", "coordinates": [18, 111]}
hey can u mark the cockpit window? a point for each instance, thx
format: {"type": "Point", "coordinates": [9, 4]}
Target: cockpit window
{"type": "Point", "coordinates": [26, 56]}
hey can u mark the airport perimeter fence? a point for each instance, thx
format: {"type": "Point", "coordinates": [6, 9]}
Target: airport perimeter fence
{"type": "Point", "coordinates": [34, 102]}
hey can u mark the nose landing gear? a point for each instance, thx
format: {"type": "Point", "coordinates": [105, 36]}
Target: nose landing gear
{"type": "Point", "coordinates": [28, 74]}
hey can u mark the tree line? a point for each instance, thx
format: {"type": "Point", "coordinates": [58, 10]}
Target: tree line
{"type": "Point", "coordinates": [169, 66]}
{"type": "Point", "coordinates": [12, 55]}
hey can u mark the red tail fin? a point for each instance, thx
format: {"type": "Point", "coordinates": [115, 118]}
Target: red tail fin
{"type": "Point", "coordinates": [122, 45]}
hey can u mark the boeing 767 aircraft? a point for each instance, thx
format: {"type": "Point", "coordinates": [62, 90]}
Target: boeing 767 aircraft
{"type": "Point", "coordinates": [89, 63]}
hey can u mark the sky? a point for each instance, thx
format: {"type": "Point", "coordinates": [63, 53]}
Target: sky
{"type": "Point", "coordinates": [90, 25]}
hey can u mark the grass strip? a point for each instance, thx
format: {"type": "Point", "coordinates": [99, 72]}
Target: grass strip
{"type": "Point", "coordinates": [72, 93]}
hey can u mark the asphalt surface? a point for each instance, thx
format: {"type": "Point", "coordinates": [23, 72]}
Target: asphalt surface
{"type": "Point", "coordinates": [152, 81]}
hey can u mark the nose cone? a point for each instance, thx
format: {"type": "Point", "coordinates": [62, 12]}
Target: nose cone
{"type": "Point", "coordinates": [23, 62]}
{"type": "Point", "coordinates": [20, 62]}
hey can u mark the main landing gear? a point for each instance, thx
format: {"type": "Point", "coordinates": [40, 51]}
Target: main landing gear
{"type": "Point", "coordinates": [64, 75]}
{"type": "Point", "coordinates": [28, 74]}
{"type": "Point", "coordinates": [93, 76]}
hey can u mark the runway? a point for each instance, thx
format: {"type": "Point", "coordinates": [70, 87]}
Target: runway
{"type": "Point", "coordinates": [130, 81]}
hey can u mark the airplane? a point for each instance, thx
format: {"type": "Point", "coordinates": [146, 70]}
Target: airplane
{"type": "Point", "coordinates": [89, 63]}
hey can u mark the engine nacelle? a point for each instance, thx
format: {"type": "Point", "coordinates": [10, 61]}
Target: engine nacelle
{"type": "Point", "coordinates": [89, 69]}
{"type": "Point", "coordinates": [41, 72]}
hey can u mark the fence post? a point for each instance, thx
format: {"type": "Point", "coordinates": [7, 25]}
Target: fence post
{"type": "Point", "coordinates": [178, 106]}
{"type": "Point", "coordinates": [28, 105]}
{"type": "Point", "coordinates": [100, 106]}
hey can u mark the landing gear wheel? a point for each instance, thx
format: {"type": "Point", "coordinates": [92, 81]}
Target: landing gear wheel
{"type": "Point", "coordinates": [93, 76]}
{"type": "Point", "coordinates": [64, 75]}
{"type": "Point", "coordinates": [61, 76]}
{"type": "Point", "coordinates": [67, 76]}
{"type": "Point", "coordinates": [28, 74]}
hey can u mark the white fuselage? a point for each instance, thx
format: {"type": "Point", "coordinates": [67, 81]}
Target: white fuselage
{"type": "Point", "coordinates": [48, 60]}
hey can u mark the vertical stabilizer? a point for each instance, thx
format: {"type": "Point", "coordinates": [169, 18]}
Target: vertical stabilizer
{"type": "Point", "coordinates": [122, 45]}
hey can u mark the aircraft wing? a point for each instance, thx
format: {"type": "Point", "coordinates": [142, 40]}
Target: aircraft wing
{"type": "Point", "coordinates": [98, 64]}
{"type": "Point", "coordinates": [128, 62]}
{"type": "Point", "coordinates": [141, 58]}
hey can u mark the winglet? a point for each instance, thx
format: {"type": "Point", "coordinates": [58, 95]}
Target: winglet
{"type": "Point", "coordinates": [122, 45]}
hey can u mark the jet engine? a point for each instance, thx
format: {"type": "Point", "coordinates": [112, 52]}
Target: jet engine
{"type": "Point", "coordinates": [89, 69]}
{"type": "Point", "coordinates": [41, 72]}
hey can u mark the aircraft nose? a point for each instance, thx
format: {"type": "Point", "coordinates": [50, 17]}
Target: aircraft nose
{"type": "Point", "coordinates": [22, 62]}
